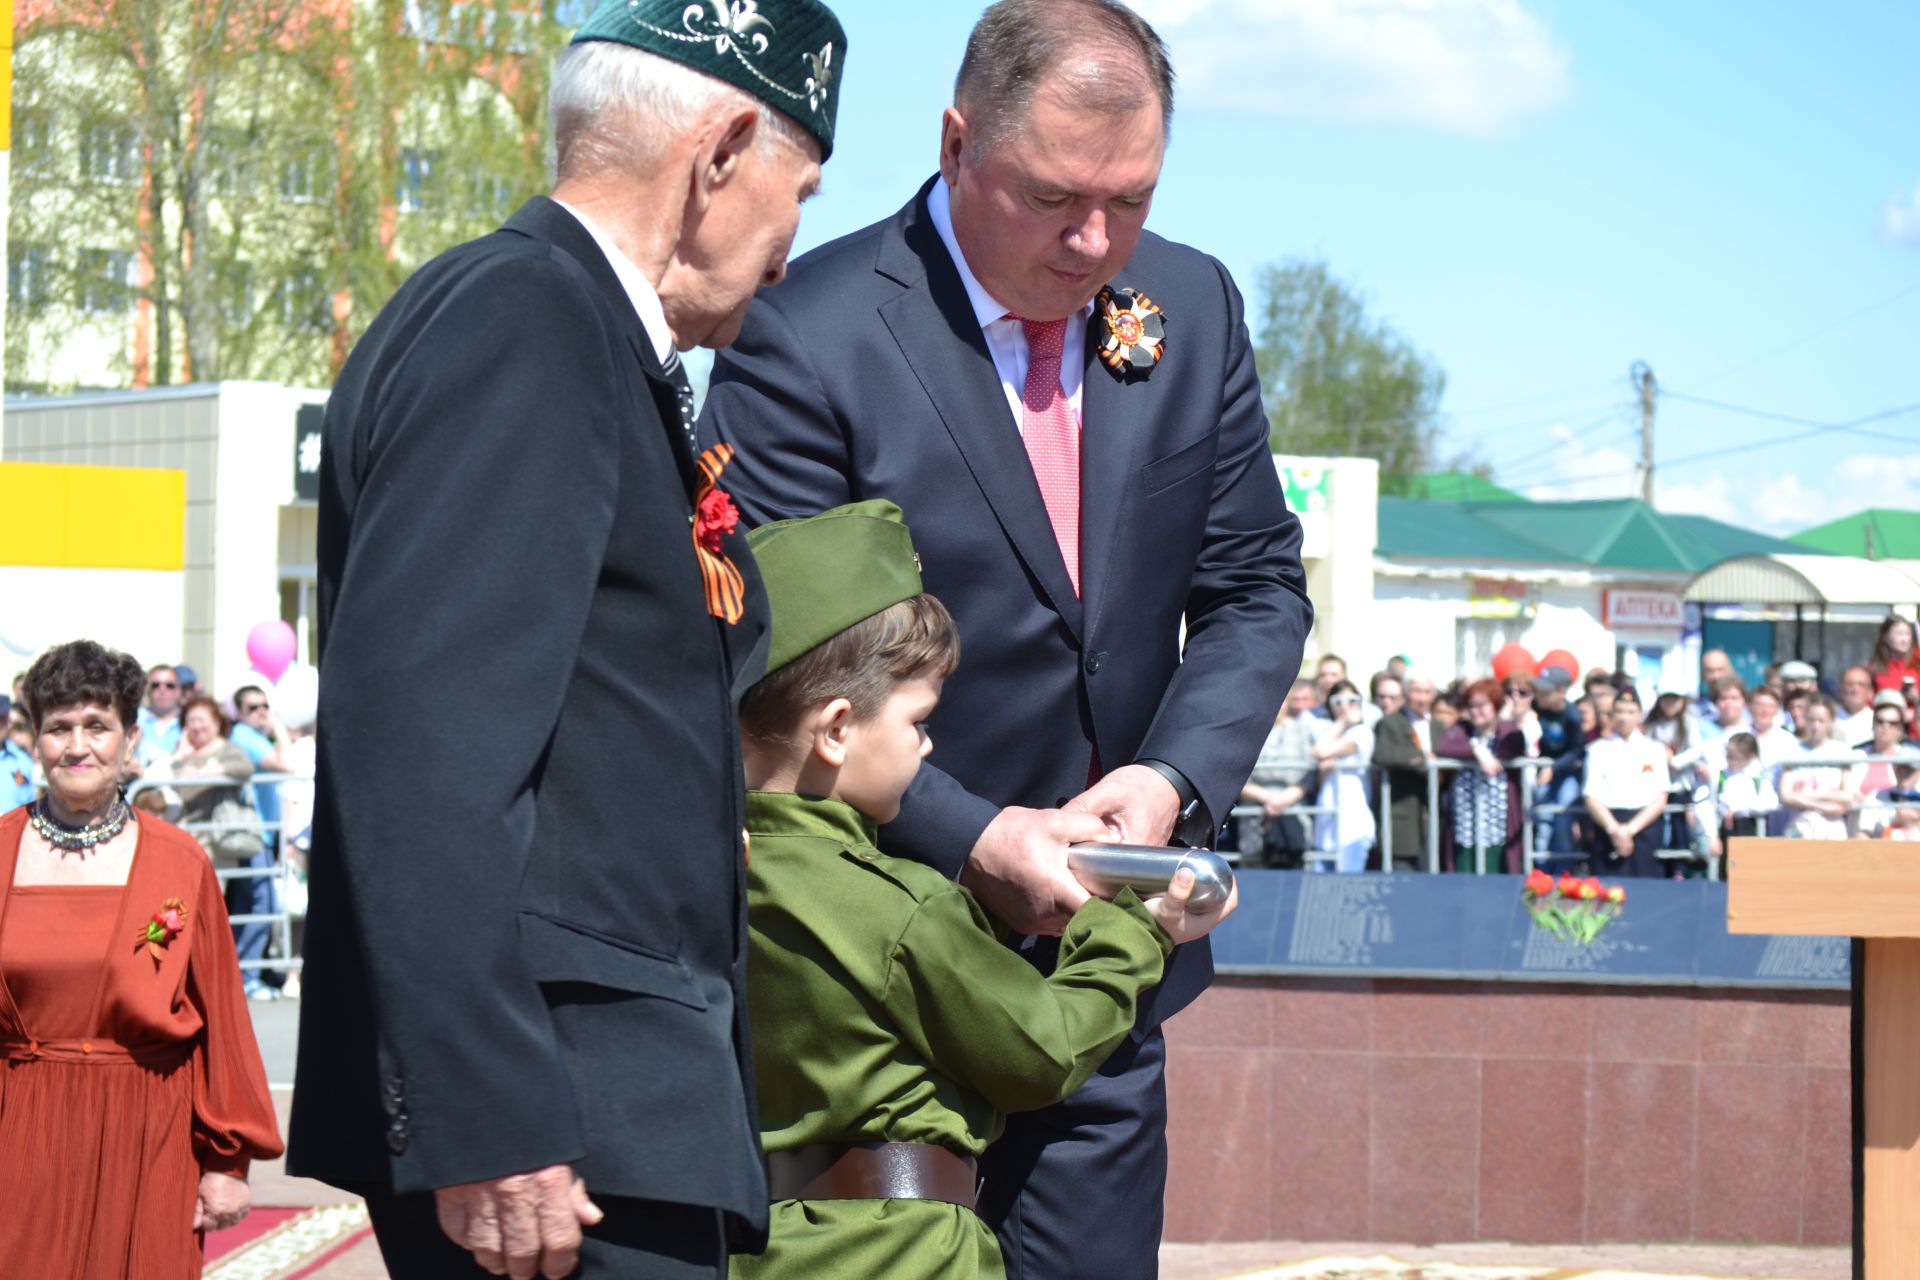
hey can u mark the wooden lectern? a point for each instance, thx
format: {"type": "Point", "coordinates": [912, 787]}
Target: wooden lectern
{"type": "Point", "coordinates": [1868, 890]}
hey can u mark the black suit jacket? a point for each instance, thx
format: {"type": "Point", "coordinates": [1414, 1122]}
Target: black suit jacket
{"type": "Point", "coordinates": [527, 935]}
{"type": "Point", "coordinates": [866, 375]}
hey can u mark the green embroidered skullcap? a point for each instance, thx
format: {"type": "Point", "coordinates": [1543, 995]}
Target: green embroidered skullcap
{"type": "Point", "coordinates": [790, 54]}
{"type": "Point", "coordinates": [829, 571]}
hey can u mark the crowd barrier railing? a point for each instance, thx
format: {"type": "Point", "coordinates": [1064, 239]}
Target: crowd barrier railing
{"type": "Point", "coordinates": [1535, 811]}
{"type": "Point", "coordinates": [278, 870]}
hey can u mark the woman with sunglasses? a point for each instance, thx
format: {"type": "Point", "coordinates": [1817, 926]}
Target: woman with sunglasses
{"type": "Point", "coordinates": [1880, 775]}
{"type": "Point", "coordinates": [1344, 829]}
{"type": "Point", "coordinates": [1483, 836]}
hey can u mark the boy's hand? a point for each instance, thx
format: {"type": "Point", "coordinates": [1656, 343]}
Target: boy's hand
{"type": "Point", "coordinates": [1170, 909]}
{"type": "Point", "coordinates": [1018, 867]}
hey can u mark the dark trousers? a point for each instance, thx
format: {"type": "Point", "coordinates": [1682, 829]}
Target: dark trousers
{"type": "Point", "coordinates": [1644, 862]}
{"type": "Point", "coordinates": [1075, 1191]}
{"type": "Point", "coordinates": [639, 1240]}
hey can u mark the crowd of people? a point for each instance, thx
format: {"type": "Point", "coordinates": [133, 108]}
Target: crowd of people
{"type": "Point", "coordinates": [1604, 776]}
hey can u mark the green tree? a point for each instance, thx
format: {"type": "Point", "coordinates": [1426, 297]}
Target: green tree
{"type": "Point", "coordinates": [1338, 382]}
{"type": "Point", "coordinates": [209, 189]}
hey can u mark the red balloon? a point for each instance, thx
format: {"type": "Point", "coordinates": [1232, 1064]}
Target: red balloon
{"type": "Point", "coordinates": [1511, 660]}
{"type": "Point", "coordinates": [1562, 659]}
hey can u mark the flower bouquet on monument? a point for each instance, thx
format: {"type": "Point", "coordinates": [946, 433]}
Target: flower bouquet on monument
{"type": "Point", "coordinates": [1571, 908]}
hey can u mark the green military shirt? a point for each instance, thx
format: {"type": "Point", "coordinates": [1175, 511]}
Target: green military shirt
{"type": "Point", "coordinates": [885, 1009]}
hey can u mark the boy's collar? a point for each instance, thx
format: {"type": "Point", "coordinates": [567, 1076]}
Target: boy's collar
{"type": "Point", "coordinates": [784, 813]}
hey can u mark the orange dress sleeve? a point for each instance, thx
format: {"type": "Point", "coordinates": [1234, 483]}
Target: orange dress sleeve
{"type": "Point", "coordinates": [233, 1119]}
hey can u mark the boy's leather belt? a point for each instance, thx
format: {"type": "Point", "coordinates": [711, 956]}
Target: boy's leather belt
{"type": "Point", "coordinates": [872, 1171]}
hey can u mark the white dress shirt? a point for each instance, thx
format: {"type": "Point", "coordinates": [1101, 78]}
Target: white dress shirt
{"type": "Point", "coordinates": [1626, 773]}
{"type": "Point", "coordinates": [640, 290]}
{"type": "Point", "coordinates": [1006, 340]}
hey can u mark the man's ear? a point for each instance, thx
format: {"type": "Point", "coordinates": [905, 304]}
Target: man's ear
{"type": "Point", "coordinates": [831, 725]}
{"type": "Point", "coordinates": [722, 150]}
{"type": "Point", "coordinates": [955, 141]}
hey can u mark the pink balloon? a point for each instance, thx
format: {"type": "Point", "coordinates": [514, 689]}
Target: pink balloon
{"type": "Point", "coordinates": [271, 646]}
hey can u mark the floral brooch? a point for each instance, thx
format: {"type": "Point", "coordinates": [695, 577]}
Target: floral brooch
{"type": "Point", "coordinates": [714, 517]}
{"type": "Point", "coordinates": [1135, 336]}
{"type": "Point", "coordinates": [158, 933]}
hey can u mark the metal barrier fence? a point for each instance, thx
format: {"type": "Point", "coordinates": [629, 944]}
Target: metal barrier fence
{"type": "Point", "coordinates": [1533, 812]}
{"type": "Point", "coordinates": [277, 869]}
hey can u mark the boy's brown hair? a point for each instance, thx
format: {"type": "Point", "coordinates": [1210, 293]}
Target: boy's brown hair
{"type": "Point", "coordinates": [863, 664]}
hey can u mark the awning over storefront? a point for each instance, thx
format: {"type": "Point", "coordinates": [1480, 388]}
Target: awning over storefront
{"type": "Point", "coordinates": [1808, 579]}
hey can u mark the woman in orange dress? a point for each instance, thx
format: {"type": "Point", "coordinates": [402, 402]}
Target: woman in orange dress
{"type": "Point", "coordinates": [132, 1098]}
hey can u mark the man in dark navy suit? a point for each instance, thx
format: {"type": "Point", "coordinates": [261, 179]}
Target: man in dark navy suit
{"type": "Point", "coordinates": [525, 965]}
{"type": "Point", "coordinates": [1066, 409]}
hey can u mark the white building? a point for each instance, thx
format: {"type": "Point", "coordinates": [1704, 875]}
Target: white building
{"type": "Point", "coordinates": [247, 550]}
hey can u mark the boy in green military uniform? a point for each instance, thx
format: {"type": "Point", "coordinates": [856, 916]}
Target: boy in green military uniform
{"type": "Point", "coordinates": [891, 1029]}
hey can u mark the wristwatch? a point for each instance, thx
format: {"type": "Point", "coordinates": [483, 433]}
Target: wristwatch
{"type": "Point", "coordinates": [1193, 826]}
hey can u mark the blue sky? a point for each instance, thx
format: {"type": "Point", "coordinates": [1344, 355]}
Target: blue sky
{"type": "Point", "coordinates": [1536, 195]}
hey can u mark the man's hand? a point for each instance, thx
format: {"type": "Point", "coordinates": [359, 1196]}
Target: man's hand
{"type": "Point", "coordinates": [1170, 909]}
{"type": "Point", "coordinates": [1543, 777]}
{"type": "Point", "coordinates": [221, 1201]}
{"type": "Point", "coordinates": [1622, 841]}
{"type": "Point", "coordinates": [1018, 867]}
{"type": "Point", "coordinates": [1137, 804]}
{"type": "Point", "coordinates": [522, 1225]}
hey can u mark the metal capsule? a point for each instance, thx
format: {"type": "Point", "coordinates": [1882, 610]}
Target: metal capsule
{"type": "Point", "coordinates": [1105, 869]}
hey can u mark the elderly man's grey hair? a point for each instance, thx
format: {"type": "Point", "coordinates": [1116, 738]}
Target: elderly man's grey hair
{"type": "Point", "coordinates": [1100, 53]}
{"type": "Point", "coordinates": [613, 106]}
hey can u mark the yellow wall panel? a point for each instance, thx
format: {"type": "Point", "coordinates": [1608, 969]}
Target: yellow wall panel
{"type": "Point", "coordinates": [92, 517]}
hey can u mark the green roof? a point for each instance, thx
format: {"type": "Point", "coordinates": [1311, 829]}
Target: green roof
{"type": "Point", "coordinates": [1877, 533]}
{"type": "Point", "coordinates": [1457, 486]}
{"type": "Point", "coordinates": [1611, 533]}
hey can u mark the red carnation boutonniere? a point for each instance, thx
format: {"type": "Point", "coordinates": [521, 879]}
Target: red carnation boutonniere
{"type": "Point", "coordinates": [158, 933]}
{"type": "Point", "coordinates": [1133, 332]}
{"type": "Point", "coordinates": [714, 517]}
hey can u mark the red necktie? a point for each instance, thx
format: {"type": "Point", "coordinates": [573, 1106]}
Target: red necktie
{"type": "Point", "coordinates": [1051, 431]}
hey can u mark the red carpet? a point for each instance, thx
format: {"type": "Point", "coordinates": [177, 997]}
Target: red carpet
{"type": "Point", "coordinates": [285, 1244]}
{"type": "Point", "coordinates": [251, 1228]}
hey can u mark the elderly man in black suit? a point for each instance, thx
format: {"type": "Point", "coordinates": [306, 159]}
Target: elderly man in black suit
{"type": "Point", "coordinates": [526, 946]}
{"type": "Point", "coordinates": [1066, 408]}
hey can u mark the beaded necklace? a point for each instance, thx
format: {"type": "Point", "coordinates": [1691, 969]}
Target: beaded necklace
{"type": "Point", "coordinates": [80, 840]}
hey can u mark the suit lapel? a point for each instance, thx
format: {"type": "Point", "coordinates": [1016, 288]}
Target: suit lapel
{"type": "Point", "coordinates": [544, 220]}
{"type": "Point", "coordinates": [1115, 420]}
{"type": "Point", "coordinates": [938, 334]}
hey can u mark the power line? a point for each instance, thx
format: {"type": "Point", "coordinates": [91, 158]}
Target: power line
{"type": "Point", "coordinates": [1821, 332]}
{"type": "Point", "coordinates": [1534, 458]}
{"type": "Point", "coordinates": [1848, 428]}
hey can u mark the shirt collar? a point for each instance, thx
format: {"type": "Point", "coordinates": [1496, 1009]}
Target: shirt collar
{"type": "Point", "coordinates": [640, 291]}
{"type": "Point", "coordinates": [986, 309]}
{"type": "Point", "coordinates": [786, 814]}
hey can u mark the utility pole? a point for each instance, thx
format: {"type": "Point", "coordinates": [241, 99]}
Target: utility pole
{"type": "Point", "coordinates": [1644, 383]}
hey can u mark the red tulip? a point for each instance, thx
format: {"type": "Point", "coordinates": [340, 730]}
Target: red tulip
{"type": "Point", "coordinates": [1589, 890]}
{"type": "Point", "coordinates": [1569, 886]}
{"type": "Point", "coordinates": [1617, 896]}
{"type": "Point", "coordinates": [1539, 883]}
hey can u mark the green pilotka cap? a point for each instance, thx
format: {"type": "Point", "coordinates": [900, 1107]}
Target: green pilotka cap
{"type": "Point", "coordinates": [790, 54]}
{"type": "Point", "coordinates": [829, 571]}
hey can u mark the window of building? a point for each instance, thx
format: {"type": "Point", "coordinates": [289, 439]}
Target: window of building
{"type": "Point", "coordinates": [229, 161]}
{"type": "Point", "coordinates": [419, 179]}
{"type": "Point", "coordinates": [33, 140]}
{"type": "Point", "coordinates": [106, 281]}
{"type": "Point", "coordinates": [235, 291]}
{"type": "Point", "coordinates": [109, 153]}
{"type": "Point", "coordinates": [29, 275]}
{"type": "Point", "coordinates": [307, 178]}
{"type": "Point", "coordinates": [303, 301]}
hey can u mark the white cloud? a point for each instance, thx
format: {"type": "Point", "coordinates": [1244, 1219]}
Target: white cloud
{"type": "Point", "coordinates": [1458, 66]}
{"type": "Point", "coordinates": [1782, 499]}
{"type": "Point", "coordinates": [1900, 219]}
{"type": "Point", "coordinates": [1580, 472]}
